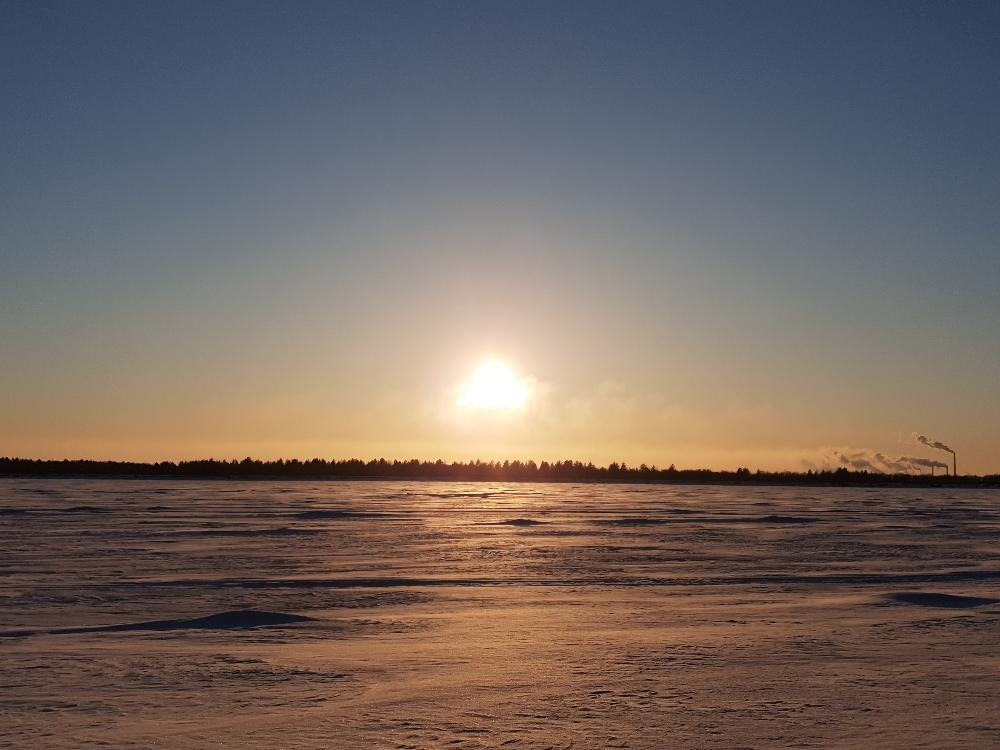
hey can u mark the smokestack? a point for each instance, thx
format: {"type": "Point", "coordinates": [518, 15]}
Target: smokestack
{"type": "Point", "coordinates": [924, 440]}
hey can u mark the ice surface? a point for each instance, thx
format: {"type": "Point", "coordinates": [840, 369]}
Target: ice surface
{"type": "Point", "coordinates": [185, 615]}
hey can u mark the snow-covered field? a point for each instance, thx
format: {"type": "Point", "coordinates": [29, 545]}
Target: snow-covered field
{"type": "Point", "coordinates": [139, 614]}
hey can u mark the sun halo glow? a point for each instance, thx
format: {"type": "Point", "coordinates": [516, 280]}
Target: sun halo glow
{"type": "Point", "coordinates": [494, 387]}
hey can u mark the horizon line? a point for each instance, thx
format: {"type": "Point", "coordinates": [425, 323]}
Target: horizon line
{"type": "Point", "coordinates": [517, 469]}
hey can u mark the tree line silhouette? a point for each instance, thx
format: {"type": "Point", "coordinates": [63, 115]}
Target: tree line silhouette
{"type": "Point", "coordinates": [468, 471]}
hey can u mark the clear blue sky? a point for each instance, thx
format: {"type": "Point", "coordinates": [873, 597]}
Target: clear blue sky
{"type": "Point", "coordinates": [707, 233]}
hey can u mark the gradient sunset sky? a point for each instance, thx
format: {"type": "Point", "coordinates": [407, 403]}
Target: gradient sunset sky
{"type": "Point", "coordinates": [710, 233]}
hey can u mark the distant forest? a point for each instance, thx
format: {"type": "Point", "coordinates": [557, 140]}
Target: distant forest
{"type": "Point", "coordinates": [471, 471]}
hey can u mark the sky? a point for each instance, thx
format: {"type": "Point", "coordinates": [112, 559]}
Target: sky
{"type": "Point", "coordinates": [712, 234]}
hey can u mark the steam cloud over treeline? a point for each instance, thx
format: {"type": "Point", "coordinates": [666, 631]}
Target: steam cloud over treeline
{"type": "Point", "coordinates": [863, 459]}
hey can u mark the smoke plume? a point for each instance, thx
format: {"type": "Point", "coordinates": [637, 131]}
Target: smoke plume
{"type": "Point", "coordinates": [932, 443]}
{"type": "Point", "coordinates": [864, 459]}
{"type": "Point", "coordinates": [928, 462]}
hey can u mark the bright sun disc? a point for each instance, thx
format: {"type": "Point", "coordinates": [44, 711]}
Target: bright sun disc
{"type": "Point", "coordinates": [495, 387]}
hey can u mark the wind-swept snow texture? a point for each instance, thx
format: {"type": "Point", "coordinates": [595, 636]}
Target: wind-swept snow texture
{"type": "Point", "coordinates": [296, 615]}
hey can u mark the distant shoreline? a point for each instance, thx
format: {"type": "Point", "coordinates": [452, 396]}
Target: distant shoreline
{"type": "Point", "coordinates": [981, 484]}
{"type": "Point", "coordinates": [563, 472]}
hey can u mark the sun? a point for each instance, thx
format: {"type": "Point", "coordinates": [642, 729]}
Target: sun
{"type": "Point", "coordinates": [494, 387]}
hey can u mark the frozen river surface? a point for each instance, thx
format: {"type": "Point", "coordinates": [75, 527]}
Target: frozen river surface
{"type": "Point", "coordinates": [144, 614]}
